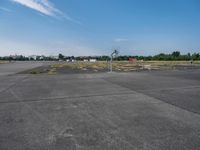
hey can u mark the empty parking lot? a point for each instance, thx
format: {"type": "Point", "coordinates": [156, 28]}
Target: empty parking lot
{"type": "Point", "coordinates": [99, 111]}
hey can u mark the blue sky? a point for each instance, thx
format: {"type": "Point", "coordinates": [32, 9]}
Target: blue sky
{"type": "Point", "coordinates": [95, 27]}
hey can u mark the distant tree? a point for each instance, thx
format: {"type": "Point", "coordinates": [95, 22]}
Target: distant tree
{"type": "Point", "coordinates": [60, 56]}
{"type": "Point", "coordinates": [105, 58]}
{"type": "Point", "coordinates": [176, 54]}
{"type": "Point", "coordinates": [196, 56]}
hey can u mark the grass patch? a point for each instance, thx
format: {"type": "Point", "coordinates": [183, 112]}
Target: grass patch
{"type": "Point", "coordinates": [3, 62]}
{"type": "Point", "coordinates": [119, 66]}
{"type": "Point", "coordinates": [129, 66]}
{"type": "Point", "coordinates": [82, 65]}
{"type": "Point", "coordinates": [38, 71]}
{"type": "Point", "coordinates": [52, 71]}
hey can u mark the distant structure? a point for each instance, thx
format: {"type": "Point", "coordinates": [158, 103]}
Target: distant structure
{"type": "Point", "coordinates": [54, 57]}
{"type": "Point", "coordinates": [85, 60]}
{"type": "Point", "coordinates": [92, 60]}
{"type": "Point", "coordinates": [32, 57]}
{"type": "Point", "coordinates": [131, 59]}
{"type": "Point", "coordinates": [41, 57]}
{"type": "Point", "coordinates": [113, 54]}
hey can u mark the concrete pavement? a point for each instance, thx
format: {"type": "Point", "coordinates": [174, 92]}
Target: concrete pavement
{"type": "Point", "coordinates": [121, 111]}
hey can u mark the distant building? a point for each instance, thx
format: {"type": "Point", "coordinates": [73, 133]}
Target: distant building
{"type": "Point", "coordinates": [132, 60]}
{"type": "Point", "coordinates": [32, 57]}
{"type": "Point", "coordinates": [54, 57]}
{"type": "Point", "coordinates": [85, 60]}
{"type": "Point", "coordinates": [92, 60]}
{"type": "Point", "coordinates": [41, 57]}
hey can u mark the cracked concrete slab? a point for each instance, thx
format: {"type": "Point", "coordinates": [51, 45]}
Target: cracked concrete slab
{"type": "Point", "coordinates": [138, 110]}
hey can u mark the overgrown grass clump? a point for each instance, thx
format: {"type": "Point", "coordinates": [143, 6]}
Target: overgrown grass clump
{"type": "Point", "coordinates": [38, 71]}
{"type": "Point", "coordinates": [52, 71]}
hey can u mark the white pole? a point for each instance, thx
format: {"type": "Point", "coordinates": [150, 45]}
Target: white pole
{"type": "Point", "coordinates": [111, 59]}
{"type": "Point", "coordinates": [111, 63]}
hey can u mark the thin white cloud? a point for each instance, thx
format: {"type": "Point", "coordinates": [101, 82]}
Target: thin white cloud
{"type": "Point", "coordinates": [44, 7]}
{"type": "Point", "coordinates": [121, 40]}
{"type": "Point", "coordinates": [5, 9]}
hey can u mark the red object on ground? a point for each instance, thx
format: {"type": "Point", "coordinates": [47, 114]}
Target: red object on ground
{"type": "Point", "coordinates": [132, 59]}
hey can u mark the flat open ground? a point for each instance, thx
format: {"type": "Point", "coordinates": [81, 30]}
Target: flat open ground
{"type": "Point", "coordinates": [150, 110]}
{"type": "Point", "coordinates": [118, 66]}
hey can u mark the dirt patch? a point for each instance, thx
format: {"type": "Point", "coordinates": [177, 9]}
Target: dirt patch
{"type": "Point", "coordinates": [37, 70]}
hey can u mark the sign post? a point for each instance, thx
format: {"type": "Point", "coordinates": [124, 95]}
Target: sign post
{"type": "Point", "coordinates": [114, 53]}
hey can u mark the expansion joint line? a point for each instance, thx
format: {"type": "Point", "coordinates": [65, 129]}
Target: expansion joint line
{"type": "Point", "coordinates": [140, 92]}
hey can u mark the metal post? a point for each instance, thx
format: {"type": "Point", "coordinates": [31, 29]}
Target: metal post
{"type": "Point", "coordinates": [111, 63]}
{"type": "Point", "coordinates": [111, 59]}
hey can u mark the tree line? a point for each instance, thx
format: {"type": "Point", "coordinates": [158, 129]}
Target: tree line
{"type": "Point", "coordinates": [174, 56]}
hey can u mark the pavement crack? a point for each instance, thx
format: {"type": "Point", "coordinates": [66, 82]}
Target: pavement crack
{"type": "Point", "coordinates": [14, 84]}
{"type": "Point", "coordinates": [64, 97]}
{"type": "Point", "coordinates": [171, 88]}
{"type": "Point", "coordinates": [141, 92]}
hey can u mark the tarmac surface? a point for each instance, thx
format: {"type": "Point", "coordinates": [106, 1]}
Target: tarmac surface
{"type": "Point", "coordinates": [19, 66]}
{"type": "Point", "coordinates": [99, 111]}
